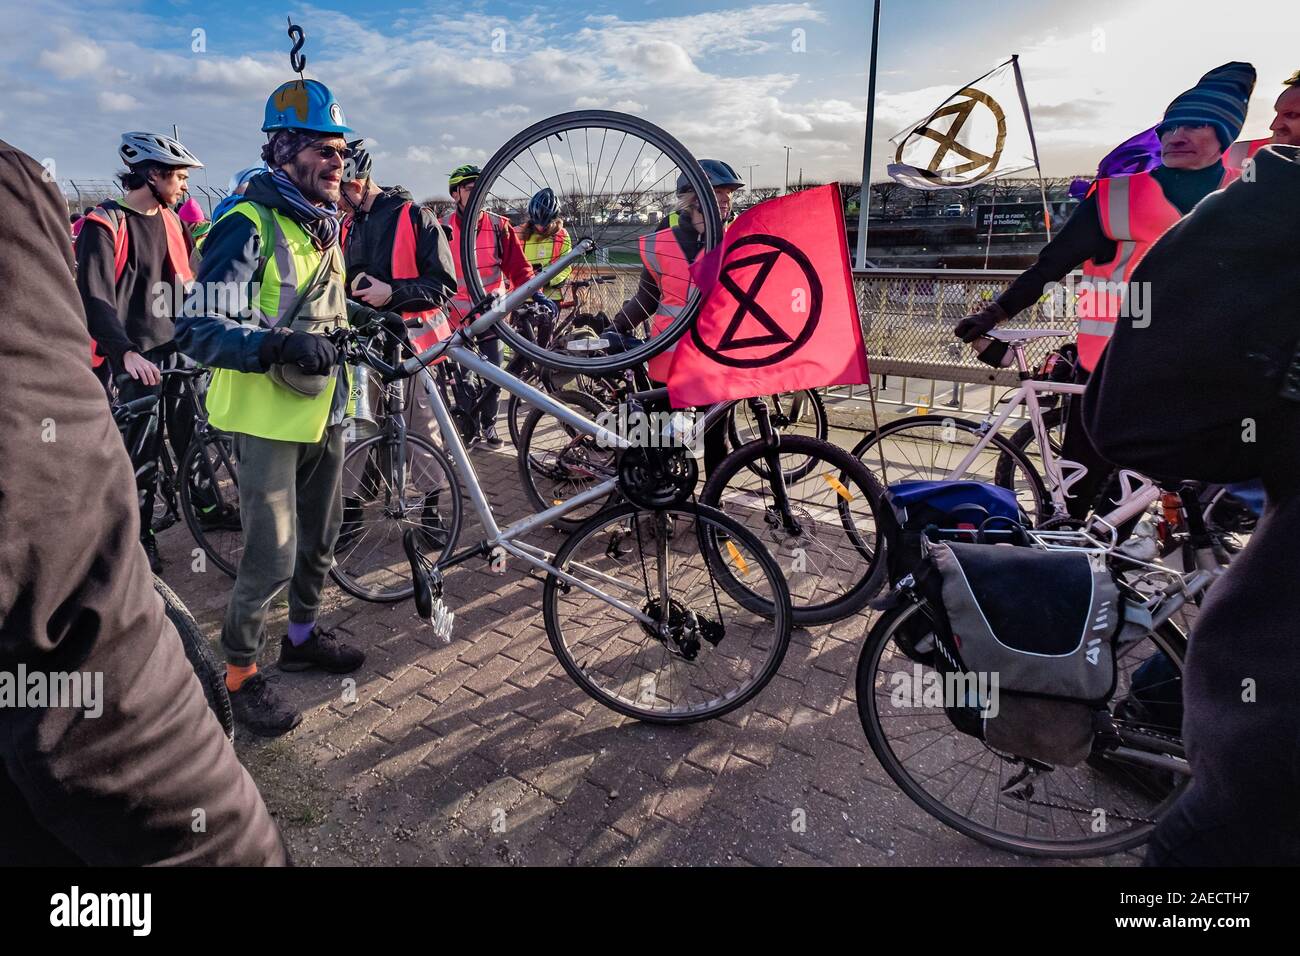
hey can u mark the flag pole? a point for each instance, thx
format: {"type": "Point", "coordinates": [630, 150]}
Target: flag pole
{"type": "Point", "coordinates": [1033, 143]}
{"type": "Point", "coordinates": [864, 199]}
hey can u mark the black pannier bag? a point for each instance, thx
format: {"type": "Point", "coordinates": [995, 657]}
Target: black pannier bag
{"type": "Point", "coordinates": [1043, 624]}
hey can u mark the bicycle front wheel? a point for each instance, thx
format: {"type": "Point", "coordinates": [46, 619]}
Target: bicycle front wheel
{"type": "Point", "coordinates": [384, 494]}
{"type": "Point", "coordinates": [821, 526]}
{"type": "Point", "coordinates": [931, 447]}
{"type": "Point", "coordinates": [209, 493]}
{"type": "Point", "coordinates": [617, 180]}
{"type": "Point", "coordinates": [557, 462]}
{"type": "Point", "coordinates": [681, 649]}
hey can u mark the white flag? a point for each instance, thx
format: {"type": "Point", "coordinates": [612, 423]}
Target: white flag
{"type": "Point", "coordinates": [980, 132]}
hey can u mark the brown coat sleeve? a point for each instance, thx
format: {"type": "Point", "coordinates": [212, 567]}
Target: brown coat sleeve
{"type": "Point", "coordinates": [76, 595]}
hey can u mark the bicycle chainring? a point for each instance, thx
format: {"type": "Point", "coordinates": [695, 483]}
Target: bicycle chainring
{"type": "Point", "coordinates": [657, 477]}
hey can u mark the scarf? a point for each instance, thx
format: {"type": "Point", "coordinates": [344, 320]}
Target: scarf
{"type": "Point", "coordinates": [321, 222]}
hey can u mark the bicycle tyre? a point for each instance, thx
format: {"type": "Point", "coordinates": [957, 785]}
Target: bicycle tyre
{"type": "Point", "coordinates": [541, 131]}
{"type": "Point", "coordinates": [346, 580]}
{"type": "Point", "coordinates": [868, 453]}
{"type": "Point", "coordinates": [1022, 438]}
{"type": "Point", "coordinates": [227, 564]}
{"type": "Point", "coordinates": [851, 472]}
{"type": "Point", "coordinates": [208, 668]}
{"type": "Point", "coordinates": [781, 618]}
{"type": "Point", "coordinates": [528, 461]}
{"type": "Point", "coordinates": [815, 402]}
{"type": "Point", "coordinates": [1168, 638]}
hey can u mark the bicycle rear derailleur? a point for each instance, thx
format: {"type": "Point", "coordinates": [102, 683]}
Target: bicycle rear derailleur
{"type": "Point", "coordinates": [685, 628]}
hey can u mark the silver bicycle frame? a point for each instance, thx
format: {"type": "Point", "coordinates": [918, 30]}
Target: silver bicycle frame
{"type": "Point", "coordinates": [1138, 491]}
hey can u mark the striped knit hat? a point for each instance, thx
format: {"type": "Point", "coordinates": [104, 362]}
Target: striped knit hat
{"type": "Point", "coordinates": [1220, 100]}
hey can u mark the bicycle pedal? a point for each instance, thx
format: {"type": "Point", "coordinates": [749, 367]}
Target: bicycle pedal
{"type": "Point", "coordinates": [441, 619]}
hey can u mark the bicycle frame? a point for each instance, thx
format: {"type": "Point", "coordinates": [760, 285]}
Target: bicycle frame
{"type": "Point", "coordinates": [1137, 491]}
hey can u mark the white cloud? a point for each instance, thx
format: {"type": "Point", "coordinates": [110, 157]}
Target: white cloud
{"type": "Point", "coordinates": [419, 154]}
{"type": "Point", "coordinates": [589, 102]}
{"type": "Point", "coordinates": [111, 102]}
{"type": "Point", "coordinates": [74, 56]}
{"type": "Point", "coordinates": [629, 106]}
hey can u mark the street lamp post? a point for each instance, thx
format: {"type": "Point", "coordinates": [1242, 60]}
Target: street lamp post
{"type": "Point", "coordinates": [751, 167]}
{"type": "Point", "coordinates": [787, 169]}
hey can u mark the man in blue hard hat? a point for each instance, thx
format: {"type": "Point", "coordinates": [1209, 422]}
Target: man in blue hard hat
{"type": "Point", "coordinates": [278, 387]}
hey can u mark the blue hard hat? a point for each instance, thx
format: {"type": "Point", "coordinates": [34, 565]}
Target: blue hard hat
{"type": "Point", "coordinates": [304, 104]}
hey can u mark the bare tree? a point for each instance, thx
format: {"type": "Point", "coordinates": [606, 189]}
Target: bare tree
{"type": "Point", "coordinates": [438, 205]}
{"type": "Point", "coordinates": [883, 192]}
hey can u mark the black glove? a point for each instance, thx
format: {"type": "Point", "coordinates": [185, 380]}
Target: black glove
{"type": "Point", "coordinates": [314, 354]}
{"type": "Point", "coordinates": [362, 315]}
{"type": "Point", "coordinates": [979, 323]}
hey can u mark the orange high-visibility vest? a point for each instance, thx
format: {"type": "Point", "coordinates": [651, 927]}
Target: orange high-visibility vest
{"type": "Point", "coordinates": [1134, 214]}
{"type": "Point", "coordinates": [112, 217]}
{"type": "Point", "coordinates": [488, 253]}
{"type": "Point", "coordinates": [1238, 153]}
{"type": "Point", "coordinates": [664, 259]}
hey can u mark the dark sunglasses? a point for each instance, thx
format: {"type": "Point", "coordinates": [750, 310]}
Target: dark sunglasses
{"type": "Point", "coordinates": [329, 152]}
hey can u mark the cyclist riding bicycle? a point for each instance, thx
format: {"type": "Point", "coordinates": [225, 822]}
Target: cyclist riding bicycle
{"type": "Point", "coordinates": [1111, 231]}
{"type": "Point", "coordinates": [665, 280]}
{"type": "Point", "coordinates": [133, 259]}
{"type": "Point", "coordinates": [278, 387]}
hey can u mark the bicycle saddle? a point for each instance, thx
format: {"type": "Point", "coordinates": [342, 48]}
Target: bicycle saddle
{"type": "Point", "coordinates": [1014, 336]}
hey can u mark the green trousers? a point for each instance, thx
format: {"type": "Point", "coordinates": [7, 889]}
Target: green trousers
{"type": "Point", "coordinates": [290, 508]}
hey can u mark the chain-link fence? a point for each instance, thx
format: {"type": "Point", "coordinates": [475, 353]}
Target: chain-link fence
{"type": "Point", "coordinates": [81, 193]}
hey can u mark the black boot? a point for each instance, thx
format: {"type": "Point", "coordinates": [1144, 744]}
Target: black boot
{"type": "Point", "coordinates": [322, 650]}
{"type": "Point", "coordinates": [260, 706]}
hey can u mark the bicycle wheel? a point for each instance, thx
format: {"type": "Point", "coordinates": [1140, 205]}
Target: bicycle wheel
{"type": "Point", "coordinates": [209, 494]}
{"type": "Point", "coordinates": [207, 666]}
{"type": "Point", "coordinates": [616, 176]}
{"type": "Point", "coordinates": [708, 657]}
{"type": "Point", "coordinates": [516, 408]}
{"type": "Point", "coordinates": [793, 413]}
{"type": "Point", "coordinates": [557, 462]}
{"type": "Point", "coordinates": [381, 499]}
{"type": "Point", "coordinates": [824, 536]}
{"type": "Point", "coordinates": [930, 447]}
{"type": "Point", "coordinates": [1105, 805]}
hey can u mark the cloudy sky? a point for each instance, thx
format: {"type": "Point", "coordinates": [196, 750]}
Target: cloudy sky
{"type": "Point", "coordinates": [438, 84]}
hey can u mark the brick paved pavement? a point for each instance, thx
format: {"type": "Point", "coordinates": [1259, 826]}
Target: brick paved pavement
{"type": "Point", "coordinates": [483, 752]}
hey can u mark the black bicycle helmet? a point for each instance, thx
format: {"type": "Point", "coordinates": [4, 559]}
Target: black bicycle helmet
{"type": "Point", "coordinates": [543, 208]}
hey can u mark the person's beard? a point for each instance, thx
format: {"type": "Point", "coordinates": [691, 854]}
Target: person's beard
{"type": "Point", "coordinates": [310, 183]}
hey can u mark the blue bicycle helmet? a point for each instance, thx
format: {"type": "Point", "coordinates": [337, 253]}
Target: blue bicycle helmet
{"type": "Point", "coordinates": [304, 104]}
{"type": "Point", "coordinates": [720, 174]}
{"type": "Point", "coordinates": [543, 208]}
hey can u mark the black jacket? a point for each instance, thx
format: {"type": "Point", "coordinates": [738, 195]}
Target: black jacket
{"type": "Point", "coordinates": [368, 248]}
{"type": "Point", "coordinates": [1195, 394]}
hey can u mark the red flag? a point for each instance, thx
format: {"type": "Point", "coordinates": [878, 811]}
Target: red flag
{"type": "Point", "coordinates": [779, 310]}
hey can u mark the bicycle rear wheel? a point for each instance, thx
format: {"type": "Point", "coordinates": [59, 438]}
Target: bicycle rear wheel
{"type": "Point", "coordinates": [1105, 805]}
{"type": "Point", "coordinates": [616, 176]}
{"type": "Point", "coordinates": [706, 656]}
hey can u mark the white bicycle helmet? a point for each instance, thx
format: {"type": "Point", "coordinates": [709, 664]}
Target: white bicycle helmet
{"type": "Point", "coordinates": [154, 147]}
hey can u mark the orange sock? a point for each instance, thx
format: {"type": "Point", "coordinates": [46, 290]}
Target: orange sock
{"type": "Point", "coordinates": [236, 675]}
